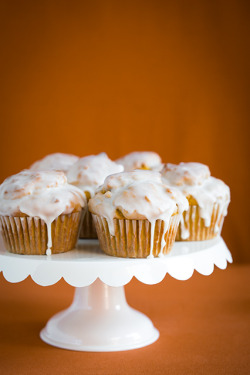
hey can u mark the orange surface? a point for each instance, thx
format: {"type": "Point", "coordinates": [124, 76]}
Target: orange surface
{"type": "Point", "coordinates": [204, 327]}
{"type": "Point", "coordinates": [90, 76]}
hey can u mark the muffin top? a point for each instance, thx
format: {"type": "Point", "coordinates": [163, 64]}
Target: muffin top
{"type": "Point", "coordinates": [194, 180]}
{"type": "Point", "coordinates": [45, 194]}
{"type": "Point", "coordinates": [140, 160]}
{"type": "Point", "coordinates": [185, 173]}
{"type": "Point", "coordinates": [137, 195]}
{"type": "Point", "coordinates": [57, 161]}
{"type": "Point", "coordinates": [90, 172]}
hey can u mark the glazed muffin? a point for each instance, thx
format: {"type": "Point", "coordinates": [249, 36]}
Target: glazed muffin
{"type": "Point", "coordinates": [56, 162]}
{"type": "Point", "coordinates": [136, 215]}
{"type": "Point", "coordinates": [88, 173]}
{"type": "Point", "coordinates": [40, 213]}
{"type": "Point", "coordinates": [208, 199]}
{"type": "Point", "coordinates": [141, 160]}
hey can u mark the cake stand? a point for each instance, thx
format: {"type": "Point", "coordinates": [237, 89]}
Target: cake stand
{"type": "Point", "coordinates": [99, 319]}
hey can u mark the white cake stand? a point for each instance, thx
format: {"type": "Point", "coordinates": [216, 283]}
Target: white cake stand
{"type": "Point", "coordinates": [99, 319]}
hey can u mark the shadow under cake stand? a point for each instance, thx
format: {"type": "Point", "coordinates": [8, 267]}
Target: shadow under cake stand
{"type": "Point", "coordinates": [99, 318]}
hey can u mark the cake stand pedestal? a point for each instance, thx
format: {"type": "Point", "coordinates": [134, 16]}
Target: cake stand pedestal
{"type": "Point", "coordinates": [99, 319]}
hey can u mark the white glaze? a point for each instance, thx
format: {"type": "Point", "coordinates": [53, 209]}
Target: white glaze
{"type": "Point", "coordinates": [90, 172]}
{"type": "Point", "coordinates": [193, 179]}
{"type": "Point", "coordinates": [140, 160]}
{"type": "Point", "coordinates": [138, 194]}
{"type": "Point", "coordinates": [185, 174]}
{"type": "Point", "coordinates": [184, 230]}
{"type": "Point", "coordinates": [57, 161]}
{"type": "Point", "coordinates": [44, 194]}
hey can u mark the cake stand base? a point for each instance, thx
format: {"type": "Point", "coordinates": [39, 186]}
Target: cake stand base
{"type": "Point", "coordinates": [99, 320]}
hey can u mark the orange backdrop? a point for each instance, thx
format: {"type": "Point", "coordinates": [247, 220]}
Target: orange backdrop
{"type": "Point", "coordinates": [116, 76]}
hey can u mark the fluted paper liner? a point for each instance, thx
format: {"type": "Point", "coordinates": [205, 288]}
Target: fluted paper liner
{"type": "Point", "coordinates": [28, 235]}
{"type": "Point", "coordinates": [88, 229]}
{"type": "Point", "coordinates": [132, 237]}
{"type": "Point", "coordinates": [196, 225]}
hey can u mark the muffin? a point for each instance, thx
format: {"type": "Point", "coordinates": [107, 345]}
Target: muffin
{"type": "Point", "coordinates": [56, 162]}
{"type": "Point", "coordinates": [88, 173]}
{"type": "Point", "coordinates": [140, 160]}
{"type": "Point", "coordinates": [40, 213]}
{"type": "Point", "coordinates": [136, 215]}
{"type": "Point", "coordinates": [208, 199]}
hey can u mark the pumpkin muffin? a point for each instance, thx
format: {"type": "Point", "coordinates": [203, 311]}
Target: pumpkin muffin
{"type": "Point", "coordinates": [56, 162]}
{"type": "Point", "coordinates": [208, 199]}
{"type": "Point", "coordinates": [141, 160]}
{"type": "Point", "coordinates": [40, 213]}
{"type": "Point", "coordinates": [88, 173]}
{"type": "Point", "coordinates": [136, 215]}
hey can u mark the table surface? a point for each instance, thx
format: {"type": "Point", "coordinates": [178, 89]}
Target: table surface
{"type": "Point", "coordinates": [204, 325]}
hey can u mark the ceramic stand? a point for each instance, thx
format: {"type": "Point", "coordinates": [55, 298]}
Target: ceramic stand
{"type": "Point", "coordinates": [99, 320]}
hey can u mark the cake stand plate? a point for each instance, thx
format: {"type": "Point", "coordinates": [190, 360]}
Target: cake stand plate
{"type": "Point", "coordinates": [99, 319]}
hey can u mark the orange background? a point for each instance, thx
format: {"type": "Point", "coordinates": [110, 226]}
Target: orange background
{"type": "Point", "coordinates": [170, 76]}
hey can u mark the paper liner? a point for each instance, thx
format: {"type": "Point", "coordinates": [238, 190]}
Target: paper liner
{"type": "Point", "coordinates": [88, 229]}
{"type": "Point", "coordinates": [28, 235]}
{"type": "Point", "coordinates": [132, 237]}
{"type": "Point", "coordinates": [196, 225]}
